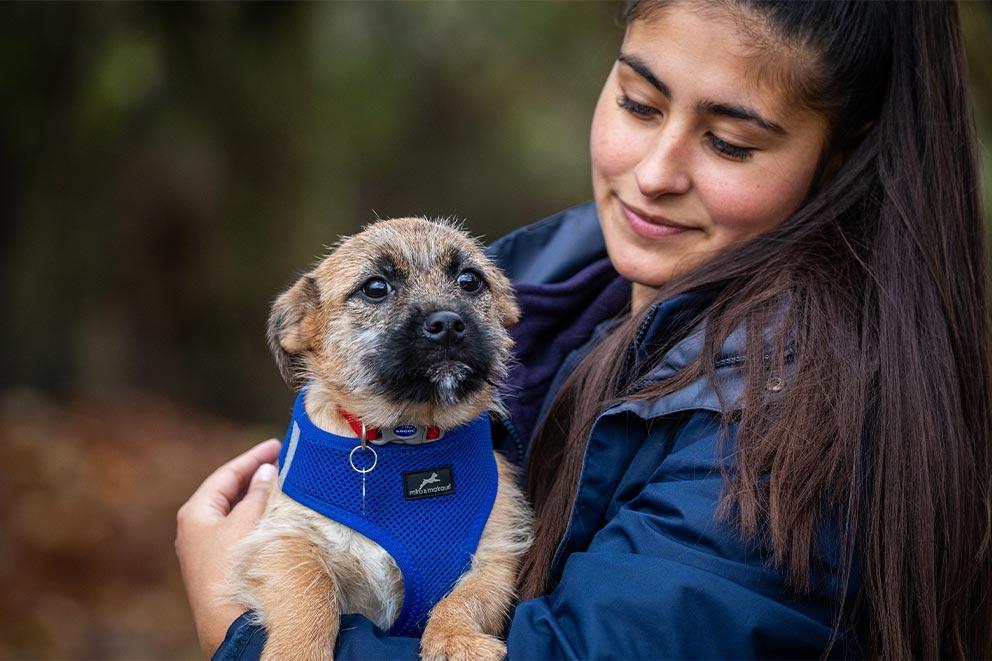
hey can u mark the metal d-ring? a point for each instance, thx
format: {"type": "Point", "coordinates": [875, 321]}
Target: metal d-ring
{"type": "Point", "coordinates": [351, 458]}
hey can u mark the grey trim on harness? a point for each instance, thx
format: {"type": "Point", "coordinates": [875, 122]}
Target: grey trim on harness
{"type": "Point", "coordinates": [293, 440]}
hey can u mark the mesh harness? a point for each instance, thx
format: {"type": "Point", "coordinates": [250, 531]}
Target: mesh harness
{"type": "Point", "coordinates": [426, 505]}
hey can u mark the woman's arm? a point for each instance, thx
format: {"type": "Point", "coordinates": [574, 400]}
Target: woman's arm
{"type": "Point", "coordinates": [225, 507]}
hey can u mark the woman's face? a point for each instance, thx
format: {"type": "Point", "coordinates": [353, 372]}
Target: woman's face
{"type": "Point", "coordinates": [692, 150]}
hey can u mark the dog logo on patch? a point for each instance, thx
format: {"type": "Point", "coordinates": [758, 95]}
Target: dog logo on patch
{"type": "Point", "coordinates": [431, 482]}
{"type": "Point", "coordinates": [432, 479]}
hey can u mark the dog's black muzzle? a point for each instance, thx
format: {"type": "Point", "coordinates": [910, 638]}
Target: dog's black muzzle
{"type": "Point", "coordinates": [442, 353]}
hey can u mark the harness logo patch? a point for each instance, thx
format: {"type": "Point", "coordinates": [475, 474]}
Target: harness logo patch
{"type": "Point", "coordinates": [431, 482]}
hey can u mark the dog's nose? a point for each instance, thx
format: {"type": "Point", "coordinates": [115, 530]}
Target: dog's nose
{"type": "Point", "coordinates": [444, 326]}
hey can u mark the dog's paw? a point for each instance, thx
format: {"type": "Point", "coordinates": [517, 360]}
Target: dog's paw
{"type": "Point", "coordinates": [447, 644]}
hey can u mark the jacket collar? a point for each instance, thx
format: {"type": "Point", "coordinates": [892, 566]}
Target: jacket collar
{"type": "Point", "coordinates": [700, 393]}
{"type": "Point", "coordinates": [729, 362]}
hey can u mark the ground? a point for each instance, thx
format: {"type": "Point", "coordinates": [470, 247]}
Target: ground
{"type": "Point", "coordinates": [88, 500]}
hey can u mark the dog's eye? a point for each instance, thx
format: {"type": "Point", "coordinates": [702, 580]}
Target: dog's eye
{"type": "Point", "coordinates": [376, 289]}
{"type": "Point", "coordinates": [470, 281]}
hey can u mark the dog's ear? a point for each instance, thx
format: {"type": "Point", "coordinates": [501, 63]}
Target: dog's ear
{"type": "Point", "coordinates": [506, 303]}
{"type": "Point", "coordinates": [291, 328]}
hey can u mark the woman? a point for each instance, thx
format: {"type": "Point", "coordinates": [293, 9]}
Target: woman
{"type": "Point", "coordinates": [774, 441]}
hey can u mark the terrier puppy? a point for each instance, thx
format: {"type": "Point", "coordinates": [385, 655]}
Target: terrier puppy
{"type": "Point", "coordinates": [398, 342]}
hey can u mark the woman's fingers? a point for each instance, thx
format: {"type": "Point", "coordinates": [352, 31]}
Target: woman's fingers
{"type": "Point", "coordinates": [217, 495]}
{"type": "Point", "coordinates": [250, 508]}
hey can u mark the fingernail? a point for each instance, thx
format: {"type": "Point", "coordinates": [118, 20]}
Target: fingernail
{"type": "Point", "coordinates": [266, 473]}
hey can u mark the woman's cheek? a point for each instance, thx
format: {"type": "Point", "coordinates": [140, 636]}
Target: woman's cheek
{"type": "Point", "coordinates": [606, 146]}
{"type": "Point", "coordinates": [615, 147]}
{"type": "Point", "coordinates": [598, 132]}
{"type": "Point", "coordinates": [741, 209]}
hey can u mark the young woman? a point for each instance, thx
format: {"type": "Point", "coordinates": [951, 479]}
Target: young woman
{"type": "Point", "coordinates": [753, 399]}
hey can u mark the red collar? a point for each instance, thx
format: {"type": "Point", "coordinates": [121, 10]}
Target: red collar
{"type": "Point", "coordinates": [374, 433]}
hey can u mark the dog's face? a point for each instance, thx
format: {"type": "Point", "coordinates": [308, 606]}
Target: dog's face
{"type": "Point", "coordinates": [404, 322]}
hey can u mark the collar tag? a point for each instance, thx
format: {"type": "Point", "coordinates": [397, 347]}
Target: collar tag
{"type": "Point", "coordinates": [408, 434]}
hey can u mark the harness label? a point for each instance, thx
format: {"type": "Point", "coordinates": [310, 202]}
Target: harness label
{"type": "Point", "coordinates": [428, 483]}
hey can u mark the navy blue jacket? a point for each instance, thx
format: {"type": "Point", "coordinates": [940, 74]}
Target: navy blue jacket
{"type": "Point", "coordinates": [646, 570]}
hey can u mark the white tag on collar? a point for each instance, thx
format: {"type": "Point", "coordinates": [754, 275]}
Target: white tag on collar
{"type": "Point", "coordinates": [409, 434]}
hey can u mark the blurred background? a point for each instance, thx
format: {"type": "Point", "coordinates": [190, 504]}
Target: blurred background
{"type": "Point", "coordinates": [167, 169]}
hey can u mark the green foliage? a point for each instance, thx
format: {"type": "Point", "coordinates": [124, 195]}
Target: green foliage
{"type": "Point", "coordinates": [976, 18]}
{"type": "Point", "coordinates": [175, 165]}
{"type": "Point", "coordinates": [172, 166]}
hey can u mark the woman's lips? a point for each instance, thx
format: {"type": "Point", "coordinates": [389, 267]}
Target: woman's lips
{"type": "Point", "coordinates": [650, 227]}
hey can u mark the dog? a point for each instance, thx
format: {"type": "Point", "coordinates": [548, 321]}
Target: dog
{"type": "Point", "coordinates": [398, 335]}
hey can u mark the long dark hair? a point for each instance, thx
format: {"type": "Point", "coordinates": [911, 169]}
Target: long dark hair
{"type": "Point", "coordinates": [882, 430]}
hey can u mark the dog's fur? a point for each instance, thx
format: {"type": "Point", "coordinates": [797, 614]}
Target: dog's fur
{"type": "Point", "coordinates": [298, 570]}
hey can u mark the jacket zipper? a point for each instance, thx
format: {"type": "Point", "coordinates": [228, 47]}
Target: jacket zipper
{"type": "Point", "coordinates": [515, 435]}
{"type": "Point", "coordinates": [641, 332]}
{"type": "Point", "coordinates": [511, 429]}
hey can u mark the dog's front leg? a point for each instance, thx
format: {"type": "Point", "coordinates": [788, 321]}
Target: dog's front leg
{"type": "Point", "coordinates": [298, 600]}
{"type": "Point", "coordinates": [467, 622]}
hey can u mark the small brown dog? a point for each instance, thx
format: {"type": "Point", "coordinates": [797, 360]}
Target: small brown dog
{"type": "Point", "coordinates": [403, 328]}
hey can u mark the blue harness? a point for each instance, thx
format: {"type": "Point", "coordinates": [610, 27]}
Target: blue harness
{"type": "Point", "coordinates": [426, 505]}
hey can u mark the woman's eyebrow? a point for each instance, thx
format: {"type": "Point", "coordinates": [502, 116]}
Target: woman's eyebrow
{"type": "Point", "coordinates": [733, 111]}
{"type": "Point", "coordinates": [641, 69]}
{"type": "Point", "coordinates": [739, 112]}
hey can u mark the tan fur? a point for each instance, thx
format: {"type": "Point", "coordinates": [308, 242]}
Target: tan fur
{"type": "Point", "coordinates": [299, 570]}
{"type": "Point", "coordinates": [466, 623]}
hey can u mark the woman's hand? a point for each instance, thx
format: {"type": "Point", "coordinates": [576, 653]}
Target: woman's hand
{"type": "Point", "coordinates": [207, 528]}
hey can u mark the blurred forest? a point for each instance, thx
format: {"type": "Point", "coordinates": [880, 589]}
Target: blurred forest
{"type": "Point", "coordinates": [167, 169]}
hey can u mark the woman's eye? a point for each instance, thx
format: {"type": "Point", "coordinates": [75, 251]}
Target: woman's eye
{"type": "Point", "coordinates": [376, 289]}
{"type": "Point", "coordinates": [635, 108]}
{"type": "Point", "coordinates": [470, 281]}
{"type": "Point", "coordinates": [731, 151]}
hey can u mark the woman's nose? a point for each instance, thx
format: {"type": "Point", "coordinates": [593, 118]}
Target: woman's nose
{"type": "Point", "coordinates": [664, 170]}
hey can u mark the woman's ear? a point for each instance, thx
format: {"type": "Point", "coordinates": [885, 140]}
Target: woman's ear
{"type": "Point", "coordinates": [292, 323]}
